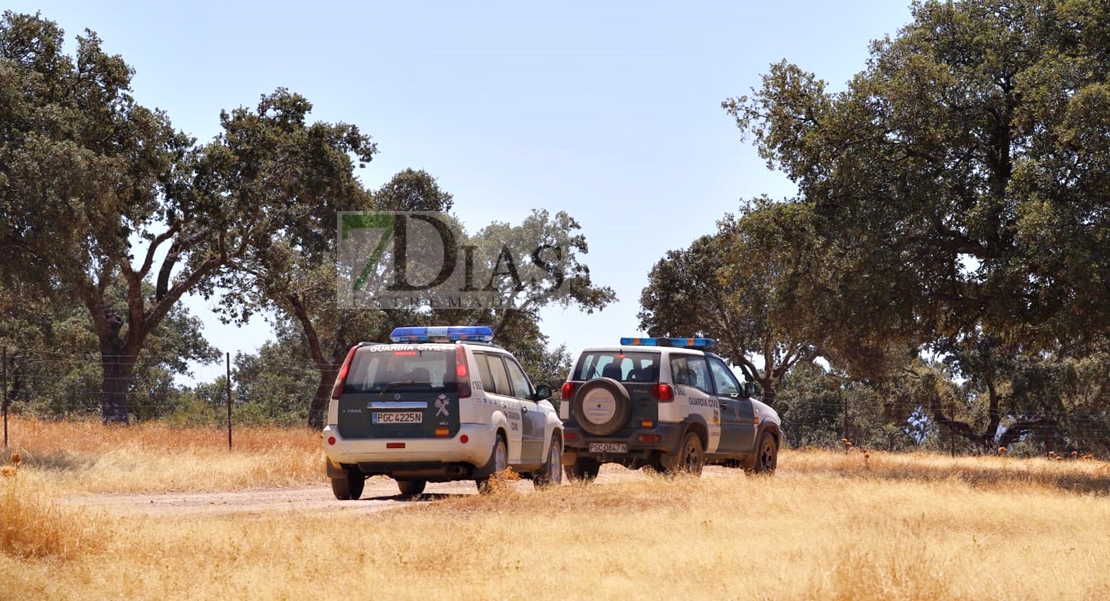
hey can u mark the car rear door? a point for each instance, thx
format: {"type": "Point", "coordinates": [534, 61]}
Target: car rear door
{"type": "Point", "coordinates": [499, 389]}
{"type": "Point", "coordinates": [400, 392]}
{"type": "Point", "coordinates": [531, 448]}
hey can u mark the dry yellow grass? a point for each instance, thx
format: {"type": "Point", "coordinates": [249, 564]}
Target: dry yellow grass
{"type": "Point", "coordinates": [789, 537]}
{"type": "Point", "coordinates": [34, 526]}
{"type": "Point", "coordinates": [827, 526]}
{"type": "Point", "coordinates": [91, 457]}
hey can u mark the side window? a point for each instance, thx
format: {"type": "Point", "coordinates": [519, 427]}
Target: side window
{"type": "Point", "coordinates": [700, 370]}
{"type": "Point", "coordinates": [522, 388]}
{"type": "Point", "coordinates": [690, 370]}
{"type": "Point", "coordinates": [724, 379]}
{"type": "Point", "coordinates": [680, 376]}
{"type": "Point", "coordinates": [499, 378]}
{"type": "Point", "coordinates": [484, 373]}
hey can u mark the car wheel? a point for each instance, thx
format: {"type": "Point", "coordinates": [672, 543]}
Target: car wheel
{"type": "Point", "coordinates": [349, 488]}
{"type": "Point", "coordinates": [500, 461]}
{"type": "Point", "coordinates": [766, 456]}
{"type": "Point", "coordinates": [689, 460]}
{"type": "Point", "coordinates": [601, 406]}
{"type": "Point", "coordinates": [411, 487]}
{"type": "Point", "coordinates": [552, 473]}
{"type": "Point", "coordinates": [583, 469]}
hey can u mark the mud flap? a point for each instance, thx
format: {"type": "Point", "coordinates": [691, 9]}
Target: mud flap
{"type": "Point", "coordinates": [335, 470]}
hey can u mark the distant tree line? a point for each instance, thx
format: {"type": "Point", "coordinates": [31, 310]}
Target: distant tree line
{"type": "Point", "coordinates": [947, 255]}
{"type": "Point", "coordinates": [940, 280]}
{"type": "Point", "coordinates": [111, 216]}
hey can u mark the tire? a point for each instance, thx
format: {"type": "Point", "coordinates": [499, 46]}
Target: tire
{"type": "Point", "coordinates": [583, 469]}
{"type": "Point", "coordinates": [411, 487]}
{"type": "Point", "coordinates": [552, 472]}
{"type": "Point", "coordinates": [690, 458]}
{"type": "Point", "coordinates": [601, 406]}
{"type": "Point", "coordinates": [766, 456]}
{"type": "Point", "coordinates": [349, 488]}
{"type": "Point", "coordinates": [500, 461]}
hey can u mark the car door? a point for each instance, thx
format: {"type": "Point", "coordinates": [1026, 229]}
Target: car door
{"type": "Point", "coordinates": [737, 413]}
{"type": "Point", "coordinates": [499, 389]}
{"type": "Point", "coordinates": [531, 448]}
{"type": "Point", "coordinates": [694, 386]}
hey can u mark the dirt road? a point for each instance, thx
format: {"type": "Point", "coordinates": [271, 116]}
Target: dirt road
{"type": "Point", "coordinates": [380, 494]}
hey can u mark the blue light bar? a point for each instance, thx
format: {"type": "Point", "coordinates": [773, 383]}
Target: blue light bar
{"type": "Point", "coordinates": [442, 334]}
{"type": "Point", "coordinates": [675, 342]}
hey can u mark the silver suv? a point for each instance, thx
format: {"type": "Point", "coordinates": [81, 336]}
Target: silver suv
{"type": "Point", "coordinates": [436, 405]}
{"type": "Point", "coordinates": [665, 403]}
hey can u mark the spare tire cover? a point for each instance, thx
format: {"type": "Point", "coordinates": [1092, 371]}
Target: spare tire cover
{"type": "Point", "coordinates": [602, 406]}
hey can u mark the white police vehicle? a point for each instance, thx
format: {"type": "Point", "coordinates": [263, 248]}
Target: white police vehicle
{"type": "Point", "coordinates": [436, 405]}
{"type": "Point", "coordinates": [665, 403]}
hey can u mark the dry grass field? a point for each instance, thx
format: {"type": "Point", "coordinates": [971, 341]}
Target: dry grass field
{"type": "Point", "coordinates": [829, 525]}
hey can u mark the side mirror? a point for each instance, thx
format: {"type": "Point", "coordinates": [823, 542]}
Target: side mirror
{"type": "Point", "coordinates": [750, 389]}
{"type": "Point", "coordinates": [543, 391]}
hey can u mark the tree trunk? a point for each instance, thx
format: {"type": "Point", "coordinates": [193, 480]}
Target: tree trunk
{"type": "Point", "coordinates": [116, 365]}
{"type": "Point", "coordinates": [117, 371]}
{"type": "Point", "coordinates": [318, 409]}
{"type": "Point", "coordinates": [769, 392]}
{"type": "Point", "coordinates": [328, 368]}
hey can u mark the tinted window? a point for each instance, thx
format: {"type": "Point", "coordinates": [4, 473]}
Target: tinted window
{"type": "Point", "coordinates": [374, 368]}
{"type": "Point", "coordinates": [625, 367]}
{"type": "Point", "coordinates": [483, 372]}
{"type": "Point", "coordinates": [522, 388]}
{"type": "Point", "coordinates": [498, 382]}
{"type": "Point", "coordinates": [723, 378]}
{"type": "Point", "coordinates": [690, 370]}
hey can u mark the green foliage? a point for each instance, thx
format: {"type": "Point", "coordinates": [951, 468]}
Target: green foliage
{"type": "Point", "coordinates": [959, 188]}
{"type": "Point", "coordinates": [54, 369]}
{"type": "Point", "coordinates": [811, 406]}
{"type": "Point", "coordinates": [274, 385]}
{"type": "Point", "coordinates": [98, 189]}
{"type": "Point", "coordinates": [750, 286]}
{"type": "Point", "coordinates": [957, 178]}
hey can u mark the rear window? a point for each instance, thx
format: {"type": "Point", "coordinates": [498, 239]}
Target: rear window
{"type": "Point", "coordinates": [623, 367]}
{"type": "Point", "coordinates": [410, 368]}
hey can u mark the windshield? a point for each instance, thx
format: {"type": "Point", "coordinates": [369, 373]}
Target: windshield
{"type": "Point", "coordinates": [381, 368]}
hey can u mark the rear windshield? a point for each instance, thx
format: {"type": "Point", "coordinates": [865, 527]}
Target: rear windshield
{"type": "Point", "coordinates": [624, 367]}
{"type": "Point", "coordinates": [409, 368]}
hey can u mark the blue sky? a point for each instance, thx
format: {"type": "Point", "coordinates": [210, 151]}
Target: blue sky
{"type": "Point", "coordinates": [609, 111]}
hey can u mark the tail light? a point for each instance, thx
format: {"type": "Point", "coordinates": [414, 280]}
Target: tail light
{"type": "Point", "coordinates": [462, 372]}
{"type": "Point", "coordinates": [662, 393]}
{"type": "Point", "coordinates": [341, 378]}
{"type": "Point", "coordinates": [568, 390]}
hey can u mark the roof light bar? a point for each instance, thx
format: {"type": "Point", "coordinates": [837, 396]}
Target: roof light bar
{"type": "Point", "coordinates": [675, 342]}
{"type": "Point", "coordinates": [442, 334]}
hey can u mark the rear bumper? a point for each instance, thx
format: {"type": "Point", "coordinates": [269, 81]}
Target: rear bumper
{"type": "Point", "coordinates": [577, 443]}
{"type": "Point", "coordinates": [431, 459]}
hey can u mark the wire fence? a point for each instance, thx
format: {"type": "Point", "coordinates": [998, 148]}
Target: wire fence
{"type": "Point", "coordinates": [278, 391]}
{"type": "Point", "coordinates": [249, 391]}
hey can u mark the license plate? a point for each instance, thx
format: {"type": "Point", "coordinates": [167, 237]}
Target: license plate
{"type": "Point", "coordinates": [608, 447]}
{"type": "Point", "coordinates": [399, 417]}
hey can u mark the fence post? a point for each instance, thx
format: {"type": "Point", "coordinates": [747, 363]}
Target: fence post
{"type": "Point", "coordinates": [4, 391]}
{"type": "Point", "coordinates": [952, 434]}
{"type": "Point", "coordinates": [228, 401]}
{"type": "Point", "coordinates": [846, 437]}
